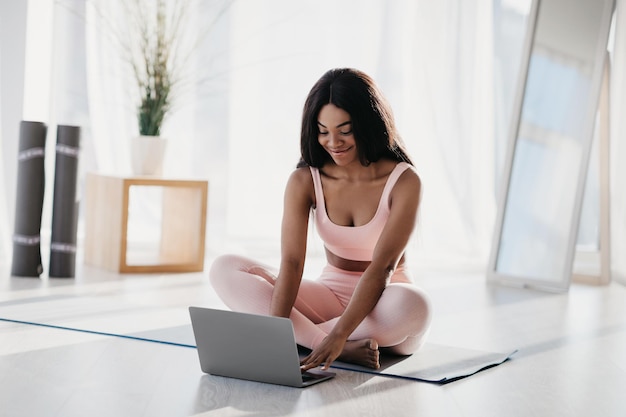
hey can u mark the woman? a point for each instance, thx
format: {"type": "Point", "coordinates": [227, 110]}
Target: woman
{"type": "Point", "coordinates": [358, 182]}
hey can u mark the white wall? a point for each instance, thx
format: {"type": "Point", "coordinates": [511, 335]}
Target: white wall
{"type": "Point", "coordinates": [12, 47]}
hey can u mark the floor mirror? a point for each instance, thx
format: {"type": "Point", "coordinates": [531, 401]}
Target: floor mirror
{"type": "Point", "coordinates": [552, 127]}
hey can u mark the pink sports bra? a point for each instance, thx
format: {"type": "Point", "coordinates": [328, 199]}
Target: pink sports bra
{"type": "Point", "coordinates": [354, 243]}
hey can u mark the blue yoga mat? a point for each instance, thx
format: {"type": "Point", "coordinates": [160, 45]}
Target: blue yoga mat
{"type": "Point", "coordinates": [433, 363]}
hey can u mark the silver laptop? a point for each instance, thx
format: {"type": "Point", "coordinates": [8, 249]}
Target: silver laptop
{"type": "Point", "coordinates": [252, 347]}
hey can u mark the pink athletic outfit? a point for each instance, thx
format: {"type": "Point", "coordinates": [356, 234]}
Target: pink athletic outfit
{"type": "Point", "coordinates": [399, 320]}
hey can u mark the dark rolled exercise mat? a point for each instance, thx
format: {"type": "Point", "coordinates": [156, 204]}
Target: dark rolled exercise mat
{"type": "Point", "coordinates": [64, 203]}
{"type": "Point", "coordinates": [29, 195]}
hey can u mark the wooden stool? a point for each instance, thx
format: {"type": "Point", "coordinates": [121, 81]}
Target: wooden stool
{"type": "Point", "coordinates": [183, 223]}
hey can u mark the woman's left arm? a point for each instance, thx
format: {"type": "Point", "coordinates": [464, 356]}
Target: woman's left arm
{"type": "Point", "coordinates": [404, 200]}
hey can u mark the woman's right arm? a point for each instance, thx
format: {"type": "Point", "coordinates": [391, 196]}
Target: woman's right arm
{"type": "Point", "coordinates": [298, 199]}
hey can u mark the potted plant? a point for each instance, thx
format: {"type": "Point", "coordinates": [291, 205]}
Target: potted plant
{"type": "Point", "coordinates": [156, 44]}
{"type": "Point", "coordinates": [153, 50]}
{"type": "Point", "coordinates": [155, 74]}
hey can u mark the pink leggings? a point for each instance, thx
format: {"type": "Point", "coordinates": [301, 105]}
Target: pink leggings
{"type": "Point", "coordinates": [399, 320]}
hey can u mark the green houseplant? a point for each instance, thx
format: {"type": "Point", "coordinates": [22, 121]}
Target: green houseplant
{"type": "Point", "coordinates": [157, 40]}
{"type": "Point", "coordinates": [159, 48]}
{"type": "Point", "coordinates": [153, 65]}
{"type": "Point", "coordinates": [154, 54]}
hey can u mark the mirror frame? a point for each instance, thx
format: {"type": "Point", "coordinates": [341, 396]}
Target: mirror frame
{"type": "Point", "coordinates": [560, 283]}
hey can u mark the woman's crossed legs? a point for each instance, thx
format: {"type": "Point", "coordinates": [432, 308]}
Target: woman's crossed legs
{"type": "Point", "coordinates": [399, 320]}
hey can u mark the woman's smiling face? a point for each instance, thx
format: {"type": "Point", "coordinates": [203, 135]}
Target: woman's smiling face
{"type": "Point", "coordinates": [335, 135]}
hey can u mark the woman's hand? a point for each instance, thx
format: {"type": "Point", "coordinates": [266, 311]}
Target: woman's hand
{"type": "Point", "coordinates": [329, 350]}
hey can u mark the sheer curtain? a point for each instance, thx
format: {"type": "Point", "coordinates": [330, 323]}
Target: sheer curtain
{"type": "Point", "coordinates": [433, 60]}
{"type": "Point", "coordinates": [13, 16]}
{"type": "Point", "coordinates": [618, 147]}
{"type": "Point", "coordinates": [239, 127]}
{"type": "Point", "coordinates": [453, 125]}
{"type": "Point", "coordinates": [4, 226]}
{"type": "Point", "coordinates": [4, 232]}
{"type": "Point", "coordinates": [239, 124]}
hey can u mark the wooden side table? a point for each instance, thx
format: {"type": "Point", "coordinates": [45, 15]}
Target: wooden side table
{"type": "Point", "coordinates": [183, 223]}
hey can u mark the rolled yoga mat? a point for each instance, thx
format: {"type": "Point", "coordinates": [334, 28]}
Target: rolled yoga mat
{"type": "Point", "coordinates": [64, 203]}
{"type": "Point", "coordinates": [29, 200]}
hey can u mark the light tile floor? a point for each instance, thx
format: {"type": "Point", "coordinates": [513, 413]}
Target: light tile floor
{"type": "Point", "coordinates": [571, 359]}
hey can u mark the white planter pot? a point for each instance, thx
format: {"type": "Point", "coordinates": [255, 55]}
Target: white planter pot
{"type": "Point", "coordinates": [147, 154]}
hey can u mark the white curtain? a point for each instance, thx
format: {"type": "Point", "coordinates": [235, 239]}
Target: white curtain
{"type": "Point", "coordinates": [109, 89]}
{"type": "Point", "coordinates": [12, 50]}
{"type": "Point", "coordinates": [239, 127]}
{"type": "Point", "coordinates": [4, 241]}
{"type": "Point", "coordinates": [618, 147]}
{"type": "Point", "coordinates": [432, 59]}
{"type": "Point", "coordinates": [4, 227]}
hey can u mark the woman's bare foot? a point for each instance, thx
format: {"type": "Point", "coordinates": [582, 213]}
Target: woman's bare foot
{"type": "Point", "coordinates": [361, 352]}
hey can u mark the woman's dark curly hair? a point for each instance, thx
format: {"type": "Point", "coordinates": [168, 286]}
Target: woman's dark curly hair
{"type": "Point", "coordinates": [373, 126]}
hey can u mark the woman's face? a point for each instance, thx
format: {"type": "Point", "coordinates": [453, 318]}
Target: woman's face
{"type": "Point", "coordinates": [335, 134]}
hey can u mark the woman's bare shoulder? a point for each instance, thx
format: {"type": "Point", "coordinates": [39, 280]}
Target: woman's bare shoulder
{"type": "Point", "coordinates": [300, 183]}
{"type": "Point", "coordinates": [409, 180]}
{"type": "Point", "coordinates": [301, 176]}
